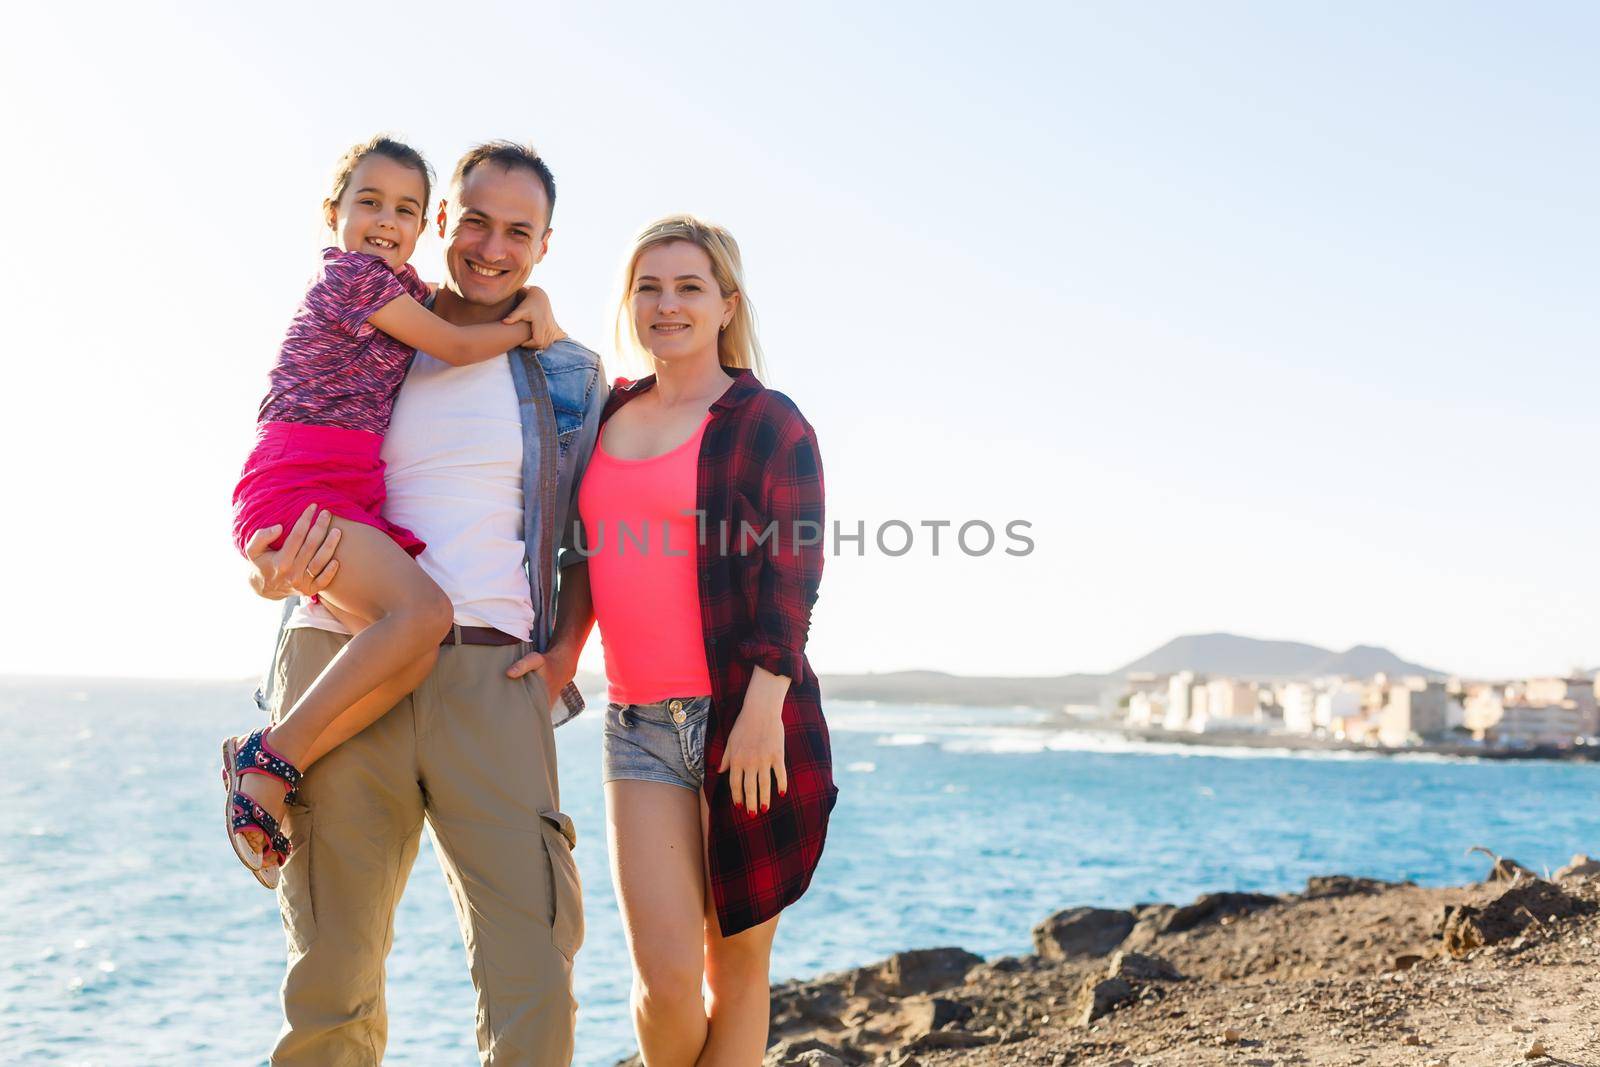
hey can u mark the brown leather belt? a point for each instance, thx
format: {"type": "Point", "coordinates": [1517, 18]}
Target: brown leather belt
{"type": "Point", "coordinates": [478, 635]}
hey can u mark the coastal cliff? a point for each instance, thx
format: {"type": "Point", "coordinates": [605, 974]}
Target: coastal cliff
{"type": "Point", "coordinates": [1349, 971]}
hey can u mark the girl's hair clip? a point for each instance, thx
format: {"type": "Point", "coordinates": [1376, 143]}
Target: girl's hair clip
{"type": "Point", "coordinates": [442, 216]}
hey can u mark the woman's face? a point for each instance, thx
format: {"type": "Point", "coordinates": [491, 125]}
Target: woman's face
{"type": "Point", "coordinates": [677, 308]}
{"type": "Point", "coordinates": [381, 211]}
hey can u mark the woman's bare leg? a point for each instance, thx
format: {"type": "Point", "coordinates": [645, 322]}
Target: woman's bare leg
{"type": "Point", "coordinates": [740, 995]}
{"type": "Point", "coordinates": [410, 614]}
{"type": "Point", "coordinates": [657, 866]}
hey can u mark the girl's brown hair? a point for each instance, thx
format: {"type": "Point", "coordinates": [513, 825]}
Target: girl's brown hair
{"type": "Point", "coordinates": [380, 145]}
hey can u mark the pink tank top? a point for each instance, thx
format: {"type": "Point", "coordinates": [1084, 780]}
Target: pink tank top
{"type": "Point", "coordinates": [638, 518]}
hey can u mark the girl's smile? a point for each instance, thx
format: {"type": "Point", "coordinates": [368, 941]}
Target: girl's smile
{"type": "Point", "coordinates": [381, 211]}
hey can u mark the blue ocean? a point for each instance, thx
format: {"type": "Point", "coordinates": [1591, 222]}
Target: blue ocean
{"type": "Point", "coordinates": [129, 934]}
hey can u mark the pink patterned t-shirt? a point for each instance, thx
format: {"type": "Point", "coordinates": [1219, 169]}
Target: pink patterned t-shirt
{"type": "Point", "coordinates": [335, 368]}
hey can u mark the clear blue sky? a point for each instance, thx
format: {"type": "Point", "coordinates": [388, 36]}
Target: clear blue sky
{"type": "Point", "coordinates": [1277, 319]}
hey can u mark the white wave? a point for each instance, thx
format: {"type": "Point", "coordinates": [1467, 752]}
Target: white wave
{"type": "Point", "coordinates": [904, 740]}
{"type": "Point", "coordinates": [862, 767]}
{"type": "Point", "coordinates": [1010, 742]}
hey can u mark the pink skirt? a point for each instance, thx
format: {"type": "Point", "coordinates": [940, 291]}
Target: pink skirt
{"type": "Point", "coordinates": [294, 465]}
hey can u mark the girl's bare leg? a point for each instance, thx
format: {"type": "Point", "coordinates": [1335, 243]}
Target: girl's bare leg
{"type": "Point", "coordinates": [657, 866]}
{"type": "Point", "coordinates": [383, 662]}
{"type": "Point", "coordinates": [739, 1000]}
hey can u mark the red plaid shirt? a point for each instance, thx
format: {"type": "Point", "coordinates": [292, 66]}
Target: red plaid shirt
{"type": "Point", "coordinates": [759, 494]}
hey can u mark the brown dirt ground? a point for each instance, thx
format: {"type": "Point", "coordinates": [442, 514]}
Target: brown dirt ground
{"type": "Point", "coordinates": [1305, 981]}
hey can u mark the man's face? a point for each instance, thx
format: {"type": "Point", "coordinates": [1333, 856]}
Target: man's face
{"type": "Point", "coordinates": [500, 230]}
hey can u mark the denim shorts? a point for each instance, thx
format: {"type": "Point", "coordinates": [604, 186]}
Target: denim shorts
{"type": "Point", "coordinates": [660, 742]}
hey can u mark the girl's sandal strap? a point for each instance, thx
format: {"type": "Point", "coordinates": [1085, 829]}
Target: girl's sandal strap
{"type": "Point", "coordinates": [248, 815]}
{"type": "Point", "coordinates": [256, 756]}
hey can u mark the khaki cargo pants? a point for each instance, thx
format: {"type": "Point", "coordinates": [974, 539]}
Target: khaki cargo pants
{"type": "Point", "coordinates": [472, 752]}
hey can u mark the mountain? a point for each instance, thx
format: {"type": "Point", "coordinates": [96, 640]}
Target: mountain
{"type": "Point", "coordinates": [1249, 657]}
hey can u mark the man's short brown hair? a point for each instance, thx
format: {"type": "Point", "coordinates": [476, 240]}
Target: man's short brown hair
{"type": "Point", "coordinates": [511, 156]}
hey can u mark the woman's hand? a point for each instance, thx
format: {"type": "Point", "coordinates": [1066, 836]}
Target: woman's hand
{"type": "Point", "coordinates": [754, 756]}
{"type": "Point", "coordinates": [304, 564]}
{"type": "Point", "coordinates": [535, 311]}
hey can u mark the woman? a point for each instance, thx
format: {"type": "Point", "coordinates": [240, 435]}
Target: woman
{"type": "Point", "coordinates": [702, 511]}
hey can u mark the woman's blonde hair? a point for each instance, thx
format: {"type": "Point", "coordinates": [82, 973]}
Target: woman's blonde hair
{"type": "Point", "coordinates": [737, 345]}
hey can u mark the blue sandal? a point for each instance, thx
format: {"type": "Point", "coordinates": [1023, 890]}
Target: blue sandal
{"type": "Point", "coordinates": [255, 756]}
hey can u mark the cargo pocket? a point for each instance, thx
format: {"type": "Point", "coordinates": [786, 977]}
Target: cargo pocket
{"type": "Point", "coordinates": [294, 882]}
{"type": "Point", "coordinates": [566, 889]}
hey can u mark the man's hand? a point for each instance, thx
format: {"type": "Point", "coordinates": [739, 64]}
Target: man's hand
{"type": "Point", "coordinates": [555, 668]}
{"type": "Point", "coordinates": [304, 564]}
{"type": "Point", "coordinates": [535, 311]}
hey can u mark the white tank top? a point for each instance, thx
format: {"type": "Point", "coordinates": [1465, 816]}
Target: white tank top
{"type": "Point", "coordinates": [454, 474]}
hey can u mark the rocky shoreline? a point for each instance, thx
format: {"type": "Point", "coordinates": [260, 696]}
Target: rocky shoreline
{"type": "Point", "coordinates": [1349, 971]}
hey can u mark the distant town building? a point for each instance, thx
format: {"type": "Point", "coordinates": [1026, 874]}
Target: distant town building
{"type": "Point", "coordinates": [1227, 698]}
{"type": "Point", "coordinates": [1180, 688]}
{"type": "Point", "coordinates": [1299, 703]}
{"type": "Point", "coordinates": [1482, 707]}
{"type": "Point", "coordinates": [1416, 710]}
{"type": "Point", "coordinates": [1394, 712]}
{"type": "Point", "coordinates": [1341, 702]}
{"type": "Point", "coordinates": [1523, 725]}
{"type": "Point", "coordinates": [1199, 708]}
{"type": "Point", "coordinates": [1577, 693]}
{"type": "Point", "coordinates": [1538, 711]}
{"type": "Point", "coordinates": [1146, 709]}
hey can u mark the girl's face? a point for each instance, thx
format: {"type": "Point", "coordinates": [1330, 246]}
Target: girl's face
{"type": "Point", "coordinates": [381, 211]}
{"type": "Point", "coordinates": [677, 308]}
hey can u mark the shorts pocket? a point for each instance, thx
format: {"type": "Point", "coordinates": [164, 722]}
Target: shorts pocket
{"type": "Point", "coordinates": [295, 901]}
{"type": "Point", "coordinates": [692, 742]}
{"type": "Point", "coordinates": [566, 888]}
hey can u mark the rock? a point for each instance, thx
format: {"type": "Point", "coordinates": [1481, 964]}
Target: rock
{"type": "Point", "coordinates": [941, 1039]}
{"type": "Point", "coordinates": [1411, 1039]}
{"type": "Point", "coordinates": [926, 1014]}
{"type": "Point", "coordinates": [1138, 967]}
{"type": "Point", "coordinates": [1081, 933]}
{"type": "Point", "coordinates": [1407, 961]}
{"type": "Point", "coordinates": [1535, 1051]}
{"type": "Point", "coordinates": [815, 1003]}
{"type": "Point", "coordinates": [1149, 922]}
{"type": "Point", "coordinates": [1530, 903]}
{"type": "Point", "coordinates": [1322, 887]}
{"type": "Point", "coordinates": [927, 970]}
{"type": "Point", "coordinates": [1580, 867]}
{"type": "Point", "coordinates": [1214, 906]}
{"type": "Point", "coordinates": [1231, 1037]}
{"type": "Point", "coordinates": [817, 1058]}
{"type": "Point", "coordinates": [1098, 997]}
{"type": "Point", "coordinates": [805, 1052]}
{"type": "Point", "coordinates": [1506, 869]}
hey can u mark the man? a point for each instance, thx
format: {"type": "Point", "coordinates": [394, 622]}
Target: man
{"type": "Point", "coordinates": [483, 463]}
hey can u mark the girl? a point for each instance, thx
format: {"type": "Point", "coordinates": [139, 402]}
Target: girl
{"type": "Point", "coordinates": [317, 442]}
{"type": "Point", "coordinates": [716, 760]}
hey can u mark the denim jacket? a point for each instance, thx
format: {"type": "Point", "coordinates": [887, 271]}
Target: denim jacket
{"type": "Point", "coordinates": [560, 393]}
